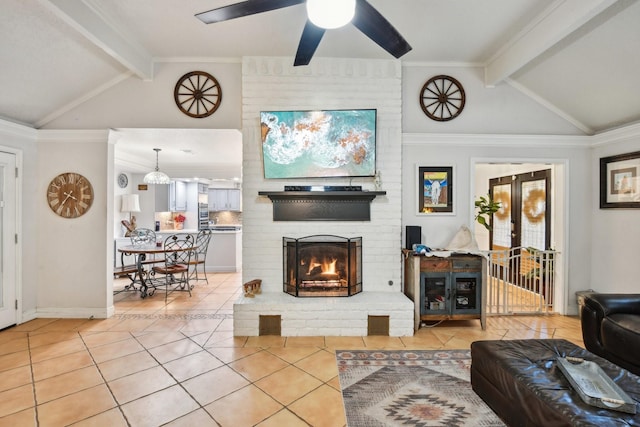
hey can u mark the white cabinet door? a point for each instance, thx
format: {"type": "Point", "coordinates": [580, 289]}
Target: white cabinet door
{"type": "Point", "coordinates": [233, 200]}
{"type": "Point", "coordinates": [224, 199]}
{"type": "Point", "coordinates": [180, 196]}
{"type": "Point", "coordinates": [221, 200]}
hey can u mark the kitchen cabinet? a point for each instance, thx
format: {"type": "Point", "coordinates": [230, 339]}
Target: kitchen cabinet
{"type": "Point", "coordinates": [171, 197]}
{"type": "Point", "coordinates": [445, 288]}
{"type": "Point", "coordinates": [224, 199]}
{"type": "Point", "coordinates": [178, 196]}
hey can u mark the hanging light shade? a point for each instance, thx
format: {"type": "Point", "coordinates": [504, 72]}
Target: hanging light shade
{"type": "Point", "coordinates": [157, 177]}
{"type": "Point", "coordinates": [331, 14]}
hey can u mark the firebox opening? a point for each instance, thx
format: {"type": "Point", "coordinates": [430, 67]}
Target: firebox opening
{"type": "Point", "coordinates": [322, 265]}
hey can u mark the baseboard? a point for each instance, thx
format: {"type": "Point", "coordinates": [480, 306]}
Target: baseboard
{"type": "Point", "coordinates": [74, 313]}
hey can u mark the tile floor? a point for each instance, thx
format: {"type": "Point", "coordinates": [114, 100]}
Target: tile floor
{"type": "Point", "coordinates": [178, 364]}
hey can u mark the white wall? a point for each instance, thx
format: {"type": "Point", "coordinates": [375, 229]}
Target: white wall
{"type": "Point", "coordinates": [274, 84]}
{"type": "Point", "coordinates": [72, 268]}
{"type": "Point", "coordinates": [616, 232]}
{"type": "Point", "coordinates": [459, 150]}
{"type": "Point", "coordinates": [605, 265]}
{"type": "Point", "coordinates": [134, 103]}
{"type": "Point", "coordinates": [488, 110]}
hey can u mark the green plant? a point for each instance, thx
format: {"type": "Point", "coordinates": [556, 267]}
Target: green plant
{"type": "Point", "coordinates": [546, 263]}
{"type": "Point", "coordinates": [486, 207]}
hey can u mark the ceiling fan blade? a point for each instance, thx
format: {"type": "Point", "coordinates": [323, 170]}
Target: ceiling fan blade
{"type": "Point", "coordinates": [311, 36]}
{"type": "Point", "coordinates": [246, 8]}
{"type": "Point", "coordinates": [375, 26]}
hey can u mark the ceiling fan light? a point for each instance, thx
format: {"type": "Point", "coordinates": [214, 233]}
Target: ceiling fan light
{"type": "Point", "coordinates": [156, 177]}
{"type": "Point", "coordinates": [331, 14]}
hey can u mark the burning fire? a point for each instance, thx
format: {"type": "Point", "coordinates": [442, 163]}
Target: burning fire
{"type": "Point", "coordinates": [326, 266]}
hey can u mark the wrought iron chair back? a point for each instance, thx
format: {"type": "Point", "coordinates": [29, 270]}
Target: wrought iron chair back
{"type": "Point", "coordinates": [202, 242]}
{"type": "Point", "coordinates": [178, 250]}
{"type": "Point", "coordinates": [143, 236]}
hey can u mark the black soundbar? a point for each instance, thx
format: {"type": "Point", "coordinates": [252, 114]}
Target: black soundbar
{"type": "Point", "coordinates": [322, 188]}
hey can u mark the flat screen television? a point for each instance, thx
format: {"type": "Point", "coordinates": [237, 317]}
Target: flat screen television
{"type": "Point", "coordinates": [318, 144]}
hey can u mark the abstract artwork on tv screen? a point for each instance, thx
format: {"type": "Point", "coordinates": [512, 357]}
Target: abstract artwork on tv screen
{"type": "Point", "coordinates": [327, 143]}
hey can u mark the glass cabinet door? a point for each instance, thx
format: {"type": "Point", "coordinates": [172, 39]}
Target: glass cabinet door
{"type": "Point", "coordinates": [466, 293]}
{"type": "Point", "coordinates": [434, 288]}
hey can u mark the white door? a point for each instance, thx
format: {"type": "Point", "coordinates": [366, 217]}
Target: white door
{"type": "Point", "coordinates": [8, 311]}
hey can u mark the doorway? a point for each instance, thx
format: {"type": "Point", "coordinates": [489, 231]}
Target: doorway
{"type": "Point", "coordinates": [8, 249]}
{"type": "Point", "coordinates": [535, 218]}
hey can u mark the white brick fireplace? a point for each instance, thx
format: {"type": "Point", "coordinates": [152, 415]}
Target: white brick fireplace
{"type": "Point", "coordinates": [272, 84]}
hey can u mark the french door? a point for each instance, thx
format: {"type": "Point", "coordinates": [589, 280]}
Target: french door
{"type": "Point", "coordinates": [525, 214]}
{"type": "Point", "coordinates": [8, 309]}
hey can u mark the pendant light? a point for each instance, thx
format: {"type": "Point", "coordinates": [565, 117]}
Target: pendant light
{"type": "Point", "coordinates": [157, 177]}
{"type": "Point", "coordinates": [329, 14]}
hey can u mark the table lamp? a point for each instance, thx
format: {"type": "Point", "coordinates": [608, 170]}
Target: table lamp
{"type": "Point", "coordinates": [130, 203]}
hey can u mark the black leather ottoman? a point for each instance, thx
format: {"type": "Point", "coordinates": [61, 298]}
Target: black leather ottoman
{"type": "Point", "coordinates": [521, 382]}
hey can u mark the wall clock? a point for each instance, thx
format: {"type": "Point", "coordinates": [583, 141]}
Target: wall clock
{"type": "Point", "coordinates": [70, 195]}
{"type": "Point", "coordinates": [442, 98]}
{"type": "Point", "coordinates": [197, 94]}
{"type": "Point", "coordinates": [123, 181]}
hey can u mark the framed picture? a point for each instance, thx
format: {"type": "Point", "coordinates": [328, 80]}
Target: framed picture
{"type": "Point", "coordinates": [619, 186]}
{"type": "Point", "coordinates": [435, 190]}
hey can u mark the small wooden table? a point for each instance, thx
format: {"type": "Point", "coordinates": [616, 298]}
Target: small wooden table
{"type": "Point", "coordinates": [142, 251]}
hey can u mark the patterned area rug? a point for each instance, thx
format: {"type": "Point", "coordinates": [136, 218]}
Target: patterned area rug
{"type": "Point", "coordinates": [410, 388]}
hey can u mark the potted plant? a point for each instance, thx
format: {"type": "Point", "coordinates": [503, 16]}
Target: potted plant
{"type": "Point", "coordinates": [486, 208]}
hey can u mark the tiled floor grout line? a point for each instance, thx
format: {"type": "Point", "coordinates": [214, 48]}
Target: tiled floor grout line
{"type": "Point", "coordinates": [33, 380]}
{"type": "Point", "coordinates": [105, 382]}
{"type": "Point", "coordinates": [179, 383]}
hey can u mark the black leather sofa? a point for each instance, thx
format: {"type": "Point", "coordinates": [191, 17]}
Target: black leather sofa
{"type": "Point", "coordinates": [611, 327]}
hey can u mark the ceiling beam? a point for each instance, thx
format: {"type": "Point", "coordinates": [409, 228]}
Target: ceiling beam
{"type": "Point", "coordinates": [558, 21]}
{"type": "Point", "coordinates": [86, 17]}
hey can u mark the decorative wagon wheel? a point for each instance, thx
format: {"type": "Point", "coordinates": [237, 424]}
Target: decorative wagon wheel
{"type": "Point", "coordinates": [442, 98]}
{"type": "Point", "coordinates": [198, 94]}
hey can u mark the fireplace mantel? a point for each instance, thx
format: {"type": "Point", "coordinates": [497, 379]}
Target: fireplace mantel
{"type": "Point", "coordinates": [321, 205]}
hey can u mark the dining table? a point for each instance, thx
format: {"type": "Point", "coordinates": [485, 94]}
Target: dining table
{"type": "Point", "coordinates": [141, 252]}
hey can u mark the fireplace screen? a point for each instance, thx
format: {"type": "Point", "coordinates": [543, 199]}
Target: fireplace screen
{"type": "Point", "coordinates": [322, 266]}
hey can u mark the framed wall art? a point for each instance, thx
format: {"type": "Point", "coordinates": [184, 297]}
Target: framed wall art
{"type": "Point", "coordinates": [619, 186]}
{"type": "Point", "coordinates": [435, 190]}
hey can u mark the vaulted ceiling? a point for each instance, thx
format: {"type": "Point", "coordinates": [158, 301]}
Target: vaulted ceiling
{"type": "Point", "coordinates": [579, 58]}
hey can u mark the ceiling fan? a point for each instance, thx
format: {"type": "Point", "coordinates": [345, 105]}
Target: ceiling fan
{"type": "Point", "coordinates": [366, 18]}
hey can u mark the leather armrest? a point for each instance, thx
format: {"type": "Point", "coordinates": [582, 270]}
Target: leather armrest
{"type": "Point", "coordinates": [596, 307]}
{"type": "Point", "coordinates": [607, 304]}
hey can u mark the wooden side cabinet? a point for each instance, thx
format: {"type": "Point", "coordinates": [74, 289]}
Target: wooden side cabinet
{"type": "Point", "coordinates": [445, 288]}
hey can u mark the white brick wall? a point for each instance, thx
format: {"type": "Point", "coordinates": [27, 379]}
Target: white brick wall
{"type": "Point", "coordinates": [274, 84]}
{"type": "Point", "coordinates": [334, 316]}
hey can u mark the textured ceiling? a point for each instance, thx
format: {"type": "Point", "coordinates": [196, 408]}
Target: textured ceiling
{"type": "Point", "coordinates": [579, 58]}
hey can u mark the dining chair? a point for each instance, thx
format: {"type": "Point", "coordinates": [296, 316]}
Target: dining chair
{"type": "Point", "coordinates": [202, 244]}
{"type": "Point", "coordinates": [143, 236]}
{"type": "Point", "coordinates": [178, 250]}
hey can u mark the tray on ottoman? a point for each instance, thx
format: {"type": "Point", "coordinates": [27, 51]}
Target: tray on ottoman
{"type": "Point", "coordinates": [522, 382]}
{"type": "Point", "coordinates": [594, 386]}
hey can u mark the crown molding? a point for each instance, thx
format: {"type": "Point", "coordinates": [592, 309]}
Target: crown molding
{"type": "Point", "coordinates": [55, 135]}
{"type": "Point", "coordinates": [489, 140]}
{"type": "Point", "coordinates": [16, 129]}
{"type": "Point", "coordinates": [626, 133]}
